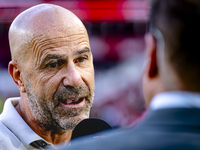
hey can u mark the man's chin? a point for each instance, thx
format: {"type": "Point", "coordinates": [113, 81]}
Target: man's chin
{"type": "Point", "coordinates": [71, 123]}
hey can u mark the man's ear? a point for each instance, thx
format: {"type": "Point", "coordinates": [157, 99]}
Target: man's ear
{"type": "Point", "coordinates": [15, 72]}
{"type": "Point", "coordinates": [151, 49]}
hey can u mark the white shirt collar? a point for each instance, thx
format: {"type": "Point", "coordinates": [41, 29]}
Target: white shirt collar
{"type": "Point", "coordinates": [175, 99]}
{"type": "Point", "coordinates": [10, 118]}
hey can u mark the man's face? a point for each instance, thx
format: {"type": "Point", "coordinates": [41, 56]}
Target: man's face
{"type": "Point", "coordinates": [59, 78]}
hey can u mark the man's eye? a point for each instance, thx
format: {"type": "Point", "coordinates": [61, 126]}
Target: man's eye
{"type": "Point", "coordinates": [52, 65]}
{"type": "Point", "coordinates": [55, 64]}
{"type": "Point", "coordinates": [80, 59]}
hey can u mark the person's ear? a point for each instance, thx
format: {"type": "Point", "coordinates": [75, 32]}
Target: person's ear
{"type": "Point", "coordinates": [151, 49]}
{"type": "Point", "coordinates": [16, 74]}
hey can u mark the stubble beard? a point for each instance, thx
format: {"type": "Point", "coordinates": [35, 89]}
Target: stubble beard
{"type": "Point", "coordinates": [49, 114]}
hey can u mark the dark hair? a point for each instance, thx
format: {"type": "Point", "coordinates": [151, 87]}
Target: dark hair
{"type": "Point", "coordinates": [179, 22]}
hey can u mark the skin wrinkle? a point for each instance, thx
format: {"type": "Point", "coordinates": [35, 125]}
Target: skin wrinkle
{"type": "Point", "coordinates": [39, 48]}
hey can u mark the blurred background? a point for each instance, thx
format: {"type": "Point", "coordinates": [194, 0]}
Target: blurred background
{"type": "Point", "coordinates": [116, 30]}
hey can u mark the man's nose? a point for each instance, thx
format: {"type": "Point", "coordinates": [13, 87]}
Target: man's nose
{"type": "Point", "coordinates": [72, 76]}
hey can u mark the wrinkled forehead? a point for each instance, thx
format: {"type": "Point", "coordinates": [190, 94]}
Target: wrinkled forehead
{"type": "Point", "coordinates": [65, 37]}
{"type": "Point", "coordinates": [56, 41]}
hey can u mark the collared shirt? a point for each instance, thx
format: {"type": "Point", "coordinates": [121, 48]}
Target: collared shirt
{"type": "Point", "coordinates": [175, 99]}
{"type": "Point", "coordinates": [15, 134]}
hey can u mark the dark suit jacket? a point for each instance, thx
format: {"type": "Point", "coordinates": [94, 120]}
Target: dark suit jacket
{"type": "Point", "coordinates": [166, 129]}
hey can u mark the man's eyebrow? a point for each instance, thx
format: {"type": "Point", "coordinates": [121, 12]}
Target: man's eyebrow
{"type": "Point", "coordinates": [51, 56]}
{"type": "Point", "coordinates": [85, 50]}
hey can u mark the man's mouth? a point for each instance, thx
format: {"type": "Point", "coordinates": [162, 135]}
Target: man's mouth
{"type": "Point", "coordinates": [73, 101]}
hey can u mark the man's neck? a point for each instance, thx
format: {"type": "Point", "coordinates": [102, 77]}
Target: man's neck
{"type": "Point", "coordinates": [50, 136]}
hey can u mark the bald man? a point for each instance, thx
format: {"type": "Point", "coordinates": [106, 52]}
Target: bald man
{"type": "Point", "coordinates": [52, 66]}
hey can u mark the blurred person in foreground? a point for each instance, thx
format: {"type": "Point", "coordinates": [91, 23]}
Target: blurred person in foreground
{"type": "Point", "coordinates": [171, 84]}
{"type": "Point", "coordinates": [52, 65]}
